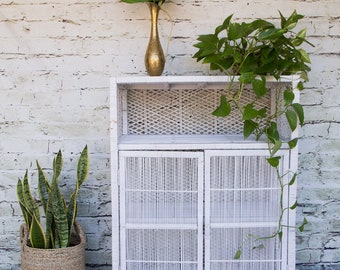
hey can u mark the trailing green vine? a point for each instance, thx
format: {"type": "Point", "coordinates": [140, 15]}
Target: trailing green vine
{"type": "Point", "coordinates": [248, 53]}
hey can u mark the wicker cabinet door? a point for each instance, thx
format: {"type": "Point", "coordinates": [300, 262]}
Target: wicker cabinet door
{"type": "Point", "coordinates": [161, 210]}
{"type": "Point", "coordinates": [242, 202]}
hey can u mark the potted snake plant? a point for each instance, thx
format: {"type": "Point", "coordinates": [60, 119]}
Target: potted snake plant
{"type": "Point", "coordinates": [61, 245]}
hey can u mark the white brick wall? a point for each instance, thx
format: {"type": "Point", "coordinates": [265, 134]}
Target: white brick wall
{"type": "Point", "coordinates": [56, 58]}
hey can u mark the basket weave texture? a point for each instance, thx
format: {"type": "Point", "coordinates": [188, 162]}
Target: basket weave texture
{"type": "Point", "coordinates": [70, 258]}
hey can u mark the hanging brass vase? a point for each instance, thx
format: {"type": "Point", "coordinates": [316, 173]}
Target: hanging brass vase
{"type": "Point", "coordinates": [154, 56]}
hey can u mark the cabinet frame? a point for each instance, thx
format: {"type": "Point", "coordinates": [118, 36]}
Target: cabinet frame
{"type": "Point", "coordinates": [120, 141]}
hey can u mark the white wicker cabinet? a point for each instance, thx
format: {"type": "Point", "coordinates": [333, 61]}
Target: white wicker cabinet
{"type": "Point", "coordinates": [186, 187]}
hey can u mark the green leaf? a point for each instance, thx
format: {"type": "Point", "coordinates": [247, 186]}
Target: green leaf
{"type": "Point", "coordinates": [304, 76]}
{"type": "Point", "coordinates": [274, 161]}
{"type": "Point", "coordinates": [224, 25]}
{"type": "Point", "coordinates": [249, 126]}
{"type": "Point", "coordinates": [259, 87]}
{"type": "Point", "coordinates": [292, 181]}
{"type": "Point", "coordinates": [291, 22]}
{"type": "Point", "coordinates": [27, 215]}
{"type": "Point", "coordinates": [238, 57]}
{"type": "Point", "coordinates": [50, 226]}
{"type": "Point", "coordinates": [247, 77]}
{"type": "Point", "coordinates": [226, 22]}
{"type": "Point", "coordinates": [280, 235]}
{"type": "Point", "coordinates": [224, 47]}
{"type": "Point", "coordinates": [283, 20]}
{"type": "Point", "coordinates": [275, 147]}
{"type": "Point", "coordinates": [44, 188]}
{"type": "Point", "coordinates": [272, 132]}
{"type": "Point", "coordinates": [300, 86]}
{"type": "Point", "coordinates": [302, 33]}
{"type": "Point", "coordinates": [238, 254]}
{"type": "Point", "coordinates": [293, 206]}
{"type": "Point", "coordinates": [304, 55]}
{"type": "Point", "coordinates": [299, 111]}
{"type": "Point", "coordinates": [206, 46]}
{"type": "Point", "coordinates": [72, 212]}
{"type": "Point", "coordinates": [249, 112]}
{"type": "Point", "coordinates": [258, 25]}
{"type": "Point", "coordinates": [83, 167]}
{"type": "Point", "coordinates": [234, 31]}
{"type": "Point", "coordinates": [57, 205]}
{"type": "Point", "coordinates": [302, 227]}
{"type": "Point", "coordinates": [217, 61]}
{"type": "Point", "coordinates": [262, 113]}
{"type": "Point", "coordinates": [29, 202]}
{"type": "Point", "coordinates": [82, 172]}
{"type": "Point", "coordinates": [292, 119]}
{"type": "Point", "coordinates": [271, 34]}
{"type": "Point", "coordinates": [57, 164]}
{"type": "Point", "coordinates": [299, 38]}
{"type": "Point", "coordinates": [223, 109]}
{"type": "Point", "coordinates": [292, 143]}
{"type": "Point", "coordinates": [244, 43]}
{"type": "Point", "coordinates": [37, 235]}
{"type": "Point", "coordinates": [209, 38]}
{"type": "Point", "coordinates": [288, 97]}
{"type": "Point", "coordinates": [60, 216]}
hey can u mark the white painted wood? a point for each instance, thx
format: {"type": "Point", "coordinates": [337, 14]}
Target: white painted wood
{"type": "Point", "coordinates": [198, 146]}
{"type": "Point", "coordinates": [188, 142]}
{"type": "Point", "coordinates": [199, 80]}
{"type": "Point", "coordinates": [248, 222]}
{"type": "Point", "coordinates": [186, 182]}
{"type": "Point", "coordinates": [116, 248]}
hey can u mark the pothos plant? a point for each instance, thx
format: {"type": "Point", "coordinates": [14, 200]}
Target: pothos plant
{"type": "Point", "coordinates": [158, 2]}
{"type": "Point", "coordinates": [248, 52]}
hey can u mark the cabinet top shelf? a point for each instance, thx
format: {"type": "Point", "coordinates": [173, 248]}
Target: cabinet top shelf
{"type": "Point", "coordinates": [187, 142]}
{"type": "Point", "coordinates": [147, 80]}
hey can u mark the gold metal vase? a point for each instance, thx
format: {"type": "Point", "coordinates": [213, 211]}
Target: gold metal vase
{"type": "Point", "coordinates": [154, 56]}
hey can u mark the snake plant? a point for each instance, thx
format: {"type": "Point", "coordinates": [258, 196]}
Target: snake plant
{"type": "Point", "coordinates": [59, 216]}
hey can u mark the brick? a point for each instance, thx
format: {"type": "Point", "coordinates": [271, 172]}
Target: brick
{"type": "Point", "coordinates": [331, 255]}
{"type": "Point", "coordinates": [311, 97]}
{"type": "Point", "coordinates": [308, 267]}
{"type": "Point", "coordinates": [334, 131]}
{"type": "Point", "coordinates": [315, 131]}
{"type": "Point", "coordinates": [308, 256]}
{"type": "Point", "coordinates": [333, 243]}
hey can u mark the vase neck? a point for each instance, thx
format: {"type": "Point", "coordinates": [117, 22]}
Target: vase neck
{"type": "Point", "coordinates": [154, 10]}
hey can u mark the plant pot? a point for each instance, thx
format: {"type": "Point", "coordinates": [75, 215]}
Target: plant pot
{"type": "Point", "coordinates": [70, 258]}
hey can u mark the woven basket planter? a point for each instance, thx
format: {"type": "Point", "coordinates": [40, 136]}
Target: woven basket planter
{"type": "Point", "coordinates": [70, 258]}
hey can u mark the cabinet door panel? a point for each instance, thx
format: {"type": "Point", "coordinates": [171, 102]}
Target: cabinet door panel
{"type": "Point", "coordinates": [161, 209]}
{"type": "Point", "coordinates": [242, 202]}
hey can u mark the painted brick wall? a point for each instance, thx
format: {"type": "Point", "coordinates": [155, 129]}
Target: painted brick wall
{"type": "Point", "coordinates": [56, 58]}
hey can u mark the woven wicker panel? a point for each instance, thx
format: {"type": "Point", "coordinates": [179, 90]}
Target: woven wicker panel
{"type": "Point", "coordinates": [225, 242]}
{"type": "Point", "coordinates": [184, 111]}
{"type": "Point", "coordinates": [161, 190]}
{"type": "Point", "coordinates": [161, 249]}
{"type": "Point", "coordinates": [243, 189]}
